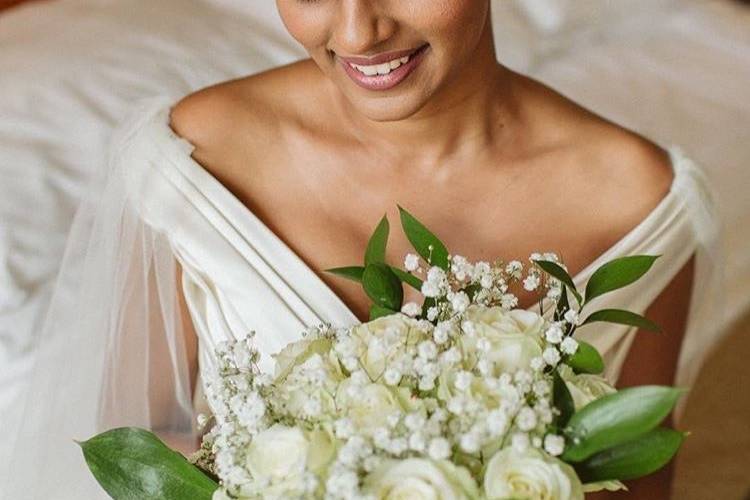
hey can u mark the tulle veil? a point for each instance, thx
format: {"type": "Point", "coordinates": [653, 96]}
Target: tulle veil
{"type": "Point", "coordinates": [111, 352]}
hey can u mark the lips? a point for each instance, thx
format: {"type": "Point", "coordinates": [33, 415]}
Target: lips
{"type": "Point", "coordinates": [383, 71]}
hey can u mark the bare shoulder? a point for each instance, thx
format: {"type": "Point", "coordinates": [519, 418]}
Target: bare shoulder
{"type": "Point", "coordinates": [631, 173]}
{"type": "Point", "coordinates": [613, 176]}
{"type": "Point", "coordinates": [237, 121]}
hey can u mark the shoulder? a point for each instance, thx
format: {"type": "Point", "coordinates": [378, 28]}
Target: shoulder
{"type": "Point", "coordinates": [240, 118]}
{"type": "Point", "coordinates": [613, 176]}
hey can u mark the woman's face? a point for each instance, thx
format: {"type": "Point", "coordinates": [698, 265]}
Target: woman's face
{"type": "Point", "coordinates": [389, 57]}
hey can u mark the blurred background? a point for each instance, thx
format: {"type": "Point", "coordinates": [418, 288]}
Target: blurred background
{"type": "Point", "coordinates": [677, 71]}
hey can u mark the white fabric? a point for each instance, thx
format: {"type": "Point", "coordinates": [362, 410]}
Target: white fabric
{"type": "Point", "coordinates": [240, 277]}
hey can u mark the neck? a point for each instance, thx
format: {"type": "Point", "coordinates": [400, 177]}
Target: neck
{"type": "Point", "coordinates": [465, 116]}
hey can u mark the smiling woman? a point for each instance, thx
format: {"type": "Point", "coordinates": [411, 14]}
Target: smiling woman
{"type": "Point", "coordinates": [223, 210]}
{"type": "Point", "coordinates": [339, 34]}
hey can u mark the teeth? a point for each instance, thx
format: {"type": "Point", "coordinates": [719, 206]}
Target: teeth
{"type": "Point", "coordinates": [381, 69]}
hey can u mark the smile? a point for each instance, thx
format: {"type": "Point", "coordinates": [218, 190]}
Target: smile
{"type": "Point", "coordinates": [384, 71]}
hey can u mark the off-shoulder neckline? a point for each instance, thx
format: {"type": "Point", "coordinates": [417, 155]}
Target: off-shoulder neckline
{"type": "Point", "coordinates": [185, 148]}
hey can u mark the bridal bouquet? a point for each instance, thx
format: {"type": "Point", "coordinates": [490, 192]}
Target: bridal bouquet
{"type": "Point", "coordinates": [461, 396]}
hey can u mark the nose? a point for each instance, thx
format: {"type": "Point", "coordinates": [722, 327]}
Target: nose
{"type": "Point", "coordinates": [361, 26]}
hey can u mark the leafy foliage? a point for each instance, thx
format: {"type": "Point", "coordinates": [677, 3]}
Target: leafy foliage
{"type": "Point", "coordinates": [133, 464]}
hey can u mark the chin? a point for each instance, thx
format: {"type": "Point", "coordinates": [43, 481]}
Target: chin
{"type": "Point", "coordinates": [389, 109]}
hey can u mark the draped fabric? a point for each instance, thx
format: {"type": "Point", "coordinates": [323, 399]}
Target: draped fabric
{"type": "Point", "coordinates": [113, 355]}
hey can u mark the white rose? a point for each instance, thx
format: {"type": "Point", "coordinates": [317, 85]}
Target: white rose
{"type": "Point", "coordinates": [383, 339]}
{"type": "Point", "coordinates": [584, 387]}
{"type": "Point", "coordinates": [297, 353]}
{"type": "Point", "coordinates": [278, 453]}
{"type": "Point", "coordinates": [515, 336]}
{"type": "Point", "coordinates": [530, 474]}
{"type": "Point", "coordinates": [367, 406]}
{"type": "Point", "coordinates": [420, 479]}
{"type": "Point", "coordinates": [306, 390]}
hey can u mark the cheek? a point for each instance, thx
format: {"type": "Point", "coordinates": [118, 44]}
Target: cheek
{"type": "Point", "coordinates": [308, 26]}
{"type": "Point", "coordinates": [451, 22]}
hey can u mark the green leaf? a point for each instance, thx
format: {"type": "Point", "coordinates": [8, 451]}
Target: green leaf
{"type": "Point", "coordinates": [563, 306]}
{"type": "Point", "coordinates": [382, 286]}
{"type": "Point", "coordinates": [617, 274]}
{"type": "Point", "coordinates": [424, 242]}
{"type": "Point", "coordinates": [617, 418]}
{"type": "Point", "coordinates": [622, 317]}
{"type": "Point", "coordinates": [353, 273]}
{"type": "Point", "coordinates": [637, 458]}
{"type": "Point", "coordinates": [408, 278]}
{"type": "Point", "coordinates": [556, 271]}
{"type": "Point", "coordinates": [562, 399]}
{"type": "Point", "coordinates": [586, 359]}
{"type": "Point", "coordinates": [375, 251]}
{"type": "Point", "coordinates": [133, 464]}
{"type": "Point", "coordinates": [378, 312]}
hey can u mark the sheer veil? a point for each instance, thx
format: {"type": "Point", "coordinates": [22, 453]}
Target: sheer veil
{"type": "Point", "coordinates": [111, 351]}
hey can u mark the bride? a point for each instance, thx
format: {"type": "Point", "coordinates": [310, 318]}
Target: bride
{"type": "Point", "coordinates": [222, 211]}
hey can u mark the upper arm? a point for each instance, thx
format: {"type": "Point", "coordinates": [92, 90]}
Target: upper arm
{"type": "Point", "coordinates": [652, 360]}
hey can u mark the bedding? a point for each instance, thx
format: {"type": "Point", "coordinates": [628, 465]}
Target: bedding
{"type": "Point", "coordinates": [676, 71]}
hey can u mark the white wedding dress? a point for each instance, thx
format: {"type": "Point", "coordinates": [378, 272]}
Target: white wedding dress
{"type": "Point", "coordinates": [238, 277]}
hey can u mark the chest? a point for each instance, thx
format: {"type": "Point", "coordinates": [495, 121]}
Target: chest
{"type": "Point", "coordinates": [325, 210]}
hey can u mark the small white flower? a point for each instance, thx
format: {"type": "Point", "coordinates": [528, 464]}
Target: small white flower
{"type": "Point", "coordinates": [460, 301]}
{"type": "Point", "coordinates": [381, 437]}
{"type": "Point", "coordinates": [392, 376]}
{"type": "Point", "coordinates": [411, 309]}
{"type": "Point", "coordinates": [497, 422]}
{"type": "Point", "coordinates": [439, 449]}
{"type": "Point", "coordinates": [537, 363]}
{"type": "Point", "coordinates": [514, 269]}
{"type": "Point", "coordinates": [426, 384]}
{"type": "Point", "coordinates": [432, 313]}
{"type": "Point", "coordinates": [450, 357]}
{"type": "Point", "coordinates": [554, 444]}
{"type": "Point", "coordinates": [414, 421]}
{"type": "Point", "coordinates": [350, 363]}
{"type": "Point", "coordinates": [398, 446]}
{"type": "Point", "coordinates": [470, 442]}
{"type": "Point", "coordinates": [569, 345]}
{"type": "Point", "coordinates": [508, 301]}
{"type": "Point", "coordinates": [531, 282]}
{"type": "Point", "coordinates": [417, 442]}
{"type": "Point", "coordinates": [455, 405]}
{"type": "Point", "coordinates": [427, 349]}
{"type": "Point", "coordinates": [436, 275]}
{"type": "Point", "coordinates": [440, 334]}
{"type": "Point", "coordinates": [468, 328]}
{"type": "Point", "coordinates": [536, 442]}
{"type": "Point", "coordinates": [571, 317]}
{"type": "Point", "coordinates": [541, 388]}
{"type": "Point", "coordinates": [486, 281]}
{"type": "Point", "coordinates": [551, 356]}
{"type": "Point", "coordinates": [411, 262]}
{"type": "Point", "coordinates": [554, 334]}
{"type": "Point", "coordinates": [526, 419]}
{"type": "Point", "coordinates": [430, 289]}
{"type": "Point", "coordinates": [463, 380]}
{"type": "Point", "coordinates": [520, 442]}
{"type": "Point", "coordinates": [343, 428]}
